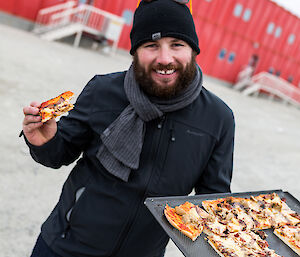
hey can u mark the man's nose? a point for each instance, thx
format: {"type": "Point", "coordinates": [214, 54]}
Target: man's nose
{"type": "Point", "coordinates": [165, 56]}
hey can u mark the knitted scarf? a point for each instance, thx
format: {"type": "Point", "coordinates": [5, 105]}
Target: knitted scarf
{"type": "Point", "coordinates": [124, 137]}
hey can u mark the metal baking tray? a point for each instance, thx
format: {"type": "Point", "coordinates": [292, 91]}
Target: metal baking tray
{"type": "Point", "coordinates": [200, 247]}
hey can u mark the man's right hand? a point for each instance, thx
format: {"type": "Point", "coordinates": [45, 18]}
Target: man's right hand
{"type": "Point", "coordinates": [36, 132]}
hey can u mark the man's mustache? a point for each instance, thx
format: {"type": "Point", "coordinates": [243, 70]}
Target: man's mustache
{"type": "Point", "coordinates": [169, 66]}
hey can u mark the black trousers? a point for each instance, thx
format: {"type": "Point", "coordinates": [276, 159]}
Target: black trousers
{"type": "Point", "coordinates": [41, 249]}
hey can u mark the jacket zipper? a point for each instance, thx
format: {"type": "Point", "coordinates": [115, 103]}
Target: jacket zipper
{"type": "Point", "coordinates": [172, 133]}
{"type": "Point", "coordinates": [160, 126]}
{"type": "Point", "coordinates": [161, 122]}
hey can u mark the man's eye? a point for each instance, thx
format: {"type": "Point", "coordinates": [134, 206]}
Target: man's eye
{"type": "Point", "coordinates": [150, 45]}
{"type": "Point", "coordinates": [178, 44]}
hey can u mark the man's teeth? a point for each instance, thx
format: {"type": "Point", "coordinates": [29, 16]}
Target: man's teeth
{"type": "Point", "coordinates": [165, 72]}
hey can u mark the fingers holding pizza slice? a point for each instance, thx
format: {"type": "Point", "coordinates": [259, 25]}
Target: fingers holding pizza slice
{"type": "Point", "coordinates": [56, 106]}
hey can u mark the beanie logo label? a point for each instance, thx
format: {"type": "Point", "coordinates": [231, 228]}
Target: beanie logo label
{"type": "Point", "coordinates": [156, 36]}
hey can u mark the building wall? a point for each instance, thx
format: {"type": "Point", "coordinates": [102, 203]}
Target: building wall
{"type": "Point", "coordinates": [230, 33]}
{"type": "Point", "coordinates": [26, 9]}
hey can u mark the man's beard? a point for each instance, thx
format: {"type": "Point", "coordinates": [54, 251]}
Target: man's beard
{"type": "Point", "coordinates": [151, 88]}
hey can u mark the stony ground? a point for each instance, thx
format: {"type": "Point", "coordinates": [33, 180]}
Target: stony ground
{"type": "Point", "coordinates": [267, 148]}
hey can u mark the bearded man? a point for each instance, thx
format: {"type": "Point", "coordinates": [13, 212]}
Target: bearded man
{"type": "Point", "coordinates": [153, 130]}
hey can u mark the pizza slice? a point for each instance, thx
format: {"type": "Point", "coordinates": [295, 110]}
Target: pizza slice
{"type": "Point", "coordinates": [260, 212]}
{"type": "Point", "coordinates": [267, 211]}
{"type": "Point", "coordinates": [257, 211]}
{"type": "Point", "coordinates": [272, 202]}
{"type": "Point", "coordinates": [241, 244]}
{"type": "Point", "coordinates": [56, 106]}
{"type": "Point", "coordinates": [253, 243]}
{"type": "Point", "coordinates": [185, 218]}
{"type": "Point", "coordinates": [227, 246]}
{"type": "Point", "coordinates": [290, 235]}
{"type": "Point", "coordinates": [231, 213]}
{"type": "Point", "coordinates": [277, 210]}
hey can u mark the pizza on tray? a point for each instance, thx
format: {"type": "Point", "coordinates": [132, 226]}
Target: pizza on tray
{"type": "Point", "coordinates": [234, 225]}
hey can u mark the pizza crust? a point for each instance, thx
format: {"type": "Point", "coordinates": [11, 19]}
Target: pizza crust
{"type": "Point", "coordinates": [215, 248]}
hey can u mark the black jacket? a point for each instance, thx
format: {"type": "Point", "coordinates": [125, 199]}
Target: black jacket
{"type": "Point", "coordinates": [100, 215]}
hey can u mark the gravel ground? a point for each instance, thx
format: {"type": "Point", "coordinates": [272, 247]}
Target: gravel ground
{"type": "Point", "coordinates": [267, 148]}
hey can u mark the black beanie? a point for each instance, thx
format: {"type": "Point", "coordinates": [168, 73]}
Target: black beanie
{"type": "Point", "coordinates": [162, 18]}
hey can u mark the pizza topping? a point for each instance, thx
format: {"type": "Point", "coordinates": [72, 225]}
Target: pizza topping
{"type": "Point", "coordinates": [245, 203]}
{"type": "Point", "coordinates": [179, 210]}
{"type": "Point", "coordinates": [262, 234]}
{"type": "Point", "coordinates": [203, 214]}
{"type": "Point", "coordinates": [193, 215]}
{"type": "Point", "coordinates": [297, 236]}
{"type": "Point", "coordinates": [296, 215]}
{"type": "Point", "coordinates": [215, 227]}
{"type": "Point", "coordinates": [253, 198]}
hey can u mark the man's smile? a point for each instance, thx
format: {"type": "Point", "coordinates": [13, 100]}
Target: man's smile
{"type": "Point", "coordinates": [165, 72]}
{"type": "Point", "coordinates": [165, 76]}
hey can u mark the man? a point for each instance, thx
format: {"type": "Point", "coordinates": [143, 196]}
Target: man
{"type": "Point", "coordinates": [150, 131]}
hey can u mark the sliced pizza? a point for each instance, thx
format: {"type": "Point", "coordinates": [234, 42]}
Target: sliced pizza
{"type": "Point", "coordinates": [234, 225]}
{"type": "Point", "coordinates": [56, 106]}
{"type": "Point", "coordinates": [185, 218]}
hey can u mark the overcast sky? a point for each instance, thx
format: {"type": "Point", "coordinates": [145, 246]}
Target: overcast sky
{"type": "Point", "coordinates": [291, 5]}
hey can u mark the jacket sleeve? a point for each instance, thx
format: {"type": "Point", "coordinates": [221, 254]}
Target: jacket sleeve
{"type": "Point", "coordinates": [217, 175]}
{"type": "Point", "coordinates": [72, 137]}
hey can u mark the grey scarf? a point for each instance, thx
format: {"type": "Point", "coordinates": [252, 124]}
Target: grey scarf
{"type": "Point", "coordinates": [123, 139]}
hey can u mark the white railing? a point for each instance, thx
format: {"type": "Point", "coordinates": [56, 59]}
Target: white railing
{"type": "Point", "coordinates": [44, 15]}
{"type": "Point", "coordinates": [92, 20]}
{"type": "Point", "coordinates": [91, 17]}
{"type": "Point", "coordinates": [275, 86]}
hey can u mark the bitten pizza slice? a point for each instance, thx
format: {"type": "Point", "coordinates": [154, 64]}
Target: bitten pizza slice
{"type": "Point", "coordinates": [56, 106]}
{"type": "Point", "coordinates": [185, 218]}
{"type": "Point", "coordinates": [290, 235]}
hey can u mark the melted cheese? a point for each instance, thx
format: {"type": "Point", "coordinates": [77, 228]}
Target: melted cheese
{"type": "Point", "coordinates": [226, 245]}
